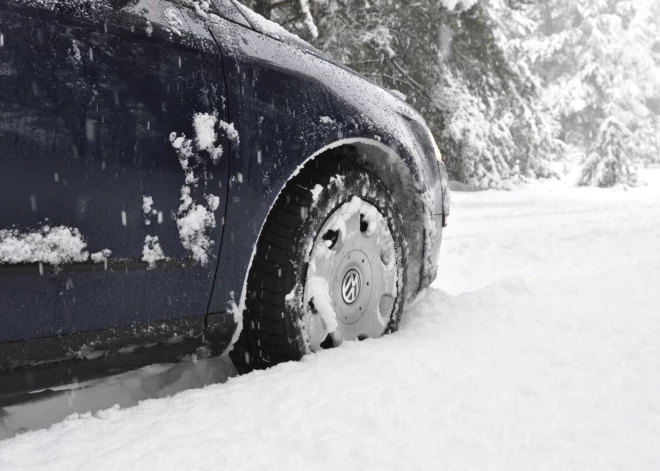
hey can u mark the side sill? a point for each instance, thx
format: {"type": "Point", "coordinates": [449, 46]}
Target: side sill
{"type": "Point", "coordinates": [39, 364]}
{"type": "Point", "coordinates": [16, 386]}
{"type": "Point", "coordinates": [95, 344]}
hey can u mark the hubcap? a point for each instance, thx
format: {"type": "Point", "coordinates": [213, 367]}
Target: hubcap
{"type": "Point", "coordinates": [351, 280]}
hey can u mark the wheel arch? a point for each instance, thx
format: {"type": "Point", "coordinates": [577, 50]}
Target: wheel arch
{"type": "Point", "coordinates": [398, 172]}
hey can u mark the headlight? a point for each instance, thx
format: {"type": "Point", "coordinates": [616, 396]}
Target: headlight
{"type": "Point", "coordinates": [436, 149]}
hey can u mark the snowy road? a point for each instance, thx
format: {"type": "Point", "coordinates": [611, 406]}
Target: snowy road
{"type": "Point", "coordinates": [537, 348]}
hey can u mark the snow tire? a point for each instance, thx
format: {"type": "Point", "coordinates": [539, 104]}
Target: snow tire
{"type": "Point", "coordinates": [273, 331]}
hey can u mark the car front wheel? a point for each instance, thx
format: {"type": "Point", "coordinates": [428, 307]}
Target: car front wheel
{"type": "Point", "coordinates": [330, 266]}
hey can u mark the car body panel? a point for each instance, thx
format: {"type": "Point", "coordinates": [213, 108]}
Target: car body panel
{"type": "Point", "coordinates": [107, 132]}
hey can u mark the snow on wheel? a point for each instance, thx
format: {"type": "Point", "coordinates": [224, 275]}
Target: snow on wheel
{"type": "Point", "coordinates": [329, 266]}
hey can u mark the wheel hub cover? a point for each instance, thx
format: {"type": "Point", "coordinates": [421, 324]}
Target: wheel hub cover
{"type": "Point", "coordinates": [353, 271]}
{"type": "Point", "coordinates": [350, 287]}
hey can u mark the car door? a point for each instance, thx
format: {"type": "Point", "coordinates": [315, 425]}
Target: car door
{"type": "Point", "coordinates": [111, 132]}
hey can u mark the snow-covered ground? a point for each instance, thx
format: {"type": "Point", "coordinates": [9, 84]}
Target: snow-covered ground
{"type": "Point", "coordinates": [538, 347]}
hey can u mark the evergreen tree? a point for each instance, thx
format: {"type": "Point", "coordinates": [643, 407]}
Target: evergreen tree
{"type": "Point", "coordinates": [608, 163]}
{"type": "Point", "coordinates": [596, 59]}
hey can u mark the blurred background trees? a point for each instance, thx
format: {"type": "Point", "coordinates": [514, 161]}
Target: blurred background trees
{"type": "Point", "coordinates": [510, 88]}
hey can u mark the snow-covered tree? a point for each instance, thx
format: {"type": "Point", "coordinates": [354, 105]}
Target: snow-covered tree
{"type": "Point", "coordinates": [608, 163]}
{"type": "Point", "coordinates": [598, 59]}
{"type": "Point", "coordinates": [494, 123]}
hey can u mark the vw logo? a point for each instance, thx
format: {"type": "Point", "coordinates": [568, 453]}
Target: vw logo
{"type": "Point", "coordinates": [350, 287]}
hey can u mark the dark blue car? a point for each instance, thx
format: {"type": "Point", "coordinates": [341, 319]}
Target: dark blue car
{"type": "Point", "coordinates": [188, 178]}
